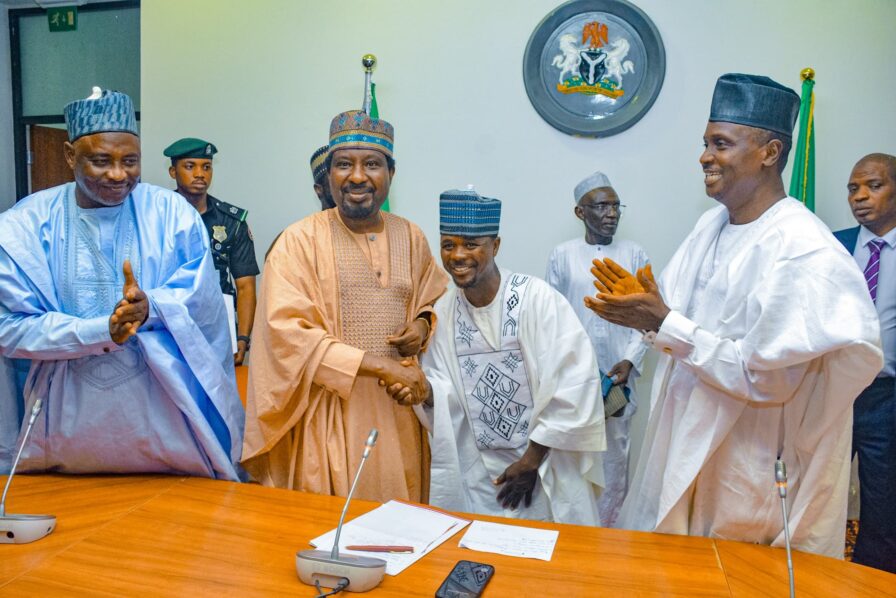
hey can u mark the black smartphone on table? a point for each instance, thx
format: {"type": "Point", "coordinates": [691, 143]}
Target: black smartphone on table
{"type": "Point", "coordinates": [466, 580]}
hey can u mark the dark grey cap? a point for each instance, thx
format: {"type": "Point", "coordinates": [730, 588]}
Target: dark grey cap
{"type": "Point", "coordinates": [755, 101]}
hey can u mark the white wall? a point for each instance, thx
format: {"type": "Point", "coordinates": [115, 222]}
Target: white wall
{"type": "Point", "coordinates": [7, 154]}
{"type": "Point", "coordinates": [263, 79]}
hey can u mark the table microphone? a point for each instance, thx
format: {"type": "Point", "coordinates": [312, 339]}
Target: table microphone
{"type": "Point", "coordinates": [342, 572]}
{"type": "Point", "coordinates": [781, 483]}
{"type": "Point", "coordinates": [22, 529]}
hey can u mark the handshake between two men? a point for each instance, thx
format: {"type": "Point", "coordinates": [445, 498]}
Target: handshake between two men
{"type": "Point", "coordinates": [403, 380]}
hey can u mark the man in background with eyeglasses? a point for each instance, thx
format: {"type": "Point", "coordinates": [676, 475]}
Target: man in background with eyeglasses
{"type": "Point", "coordinates": [569, 271]}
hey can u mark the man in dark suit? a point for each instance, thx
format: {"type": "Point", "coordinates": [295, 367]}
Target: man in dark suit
{"type": "Point", "coordinates": [872, 197]}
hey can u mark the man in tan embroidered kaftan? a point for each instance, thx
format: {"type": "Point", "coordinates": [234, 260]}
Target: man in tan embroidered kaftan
{"type": "Point", "coordinates": [345, 306]}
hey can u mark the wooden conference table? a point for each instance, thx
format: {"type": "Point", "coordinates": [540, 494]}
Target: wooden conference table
{"type": "Point", "coordinates": [157, 535]}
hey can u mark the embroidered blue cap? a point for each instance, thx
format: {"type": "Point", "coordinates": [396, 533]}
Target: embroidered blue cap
{"type": "Point", "coordinates": [755, 101]}
{"type": "Point", "coordinates": [104, 111]}
{"type": "Point", "coordinates": [465, 213]}
{"type": "Point", "coordinates": [356, 129]}
{"type": "Point", "coordinates": [319, 162]}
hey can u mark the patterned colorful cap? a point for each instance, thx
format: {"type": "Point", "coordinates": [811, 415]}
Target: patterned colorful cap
{"type": "Point", "coordinates": [590, 183]}
{"type": "Point", "coordinates": [465, 213]}
{"type": "Point", "coordinates": [755, 101]}
{"type": "Point", "coordinates": [104, 111]}
{"type": "Point", "coordinates": [190, 147]}
{"type": "Point", "coordinates": [319, 162]}
{"type": "Point", "coordinates": [356, 129]}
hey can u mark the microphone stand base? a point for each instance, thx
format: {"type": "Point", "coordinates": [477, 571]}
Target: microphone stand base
{"type": "Point", "coordinates": [22, 529]}
{"type": "Point", "coordinates": [364, 573]}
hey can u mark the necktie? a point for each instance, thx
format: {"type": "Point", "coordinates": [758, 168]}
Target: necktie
{"type": "Point", "coordinates": [873, 267]}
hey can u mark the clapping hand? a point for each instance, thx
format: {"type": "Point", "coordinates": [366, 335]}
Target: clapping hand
{"type": "Point", "coordinates": [613, 279]}
{"type": "Point", "coordinates": [644, 310]}
{"type": "Point", "coordinates": [131, 311]}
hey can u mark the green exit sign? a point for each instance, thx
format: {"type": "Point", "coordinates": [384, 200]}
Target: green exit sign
{"type": "Point", "coordinates": [63, 18]}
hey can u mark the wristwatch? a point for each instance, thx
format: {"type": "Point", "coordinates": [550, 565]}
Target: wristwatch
{"type": "Point", "coordinates": [245, 338]}
{"type": "Point", "coordinates": [428, 327]}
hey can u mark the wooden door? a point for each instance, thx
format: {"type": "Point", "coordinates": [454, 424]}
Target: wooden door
{"type": "Point", "coordinates": [48, 165]}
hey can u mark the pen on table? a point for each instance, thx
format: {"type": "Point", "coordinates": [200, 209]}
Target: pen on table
{"type": "Point", "coordinates": [374, 548]}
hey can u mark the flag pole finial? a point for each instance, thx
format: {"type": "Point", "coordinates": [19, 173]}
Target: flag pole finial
{"type": "Point", "coordinates": [807, 74]}
{"type": "Point", "coordinates": [368, 61]}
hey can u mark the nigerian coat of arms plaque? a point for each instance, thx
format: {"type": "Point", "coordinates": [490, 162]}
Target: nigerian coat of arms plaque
{"type": "Point", "coordinates": [594, 67]}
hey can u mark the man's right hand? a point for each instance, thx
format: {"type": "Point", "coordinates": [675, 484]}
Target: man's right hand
{"type": "Point", "coordinates": [403, 394]}
{"type": "Point", "coordinates": [407, 374]}
{"type": "Point", "coordinates": [410, 381]}
{"type": "Point", "coordinates": [131, 311]}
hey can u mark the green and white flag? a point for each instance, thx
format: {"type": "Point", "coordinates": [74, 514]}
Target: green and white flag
{"type": "Point", "coordinates": [802, 179]}
{"type": "Point", "coordinates": [375, 113]}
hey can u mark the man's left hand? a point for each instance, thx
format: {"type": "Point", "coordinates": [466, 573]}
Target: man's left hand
{"type": "Point", "coordinates": [519, 479]}
{"type": "Point", "coordinates": [518, 484]}
{"type": "Point", "coordinates": [240, 355]}
{"type": "Point", "coordinates": [642, 311]}
{"type": "Point", "coordinates": [613, 279]}
{"type": "Point", "coordinates": [409, 338]}
{"type": "Point", "coordinates": [621, 372]}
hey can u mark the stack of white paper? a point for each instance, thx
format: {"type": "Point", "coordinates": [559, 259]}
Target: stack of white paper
{"type": "Point", "coordinates": [395, 524]}
{"type": "Point", "coordinates": [512, 540]}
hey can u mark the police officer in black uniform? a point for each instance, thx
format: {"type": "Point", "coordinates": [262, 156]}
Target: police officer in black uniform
{"type": "Point", "coordinates": [231, 241]}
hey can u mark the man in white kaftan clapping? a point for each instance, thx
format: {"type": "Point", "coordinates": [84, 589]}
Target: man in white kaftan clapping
{"type": "Point", "coordinates": [767, 335]}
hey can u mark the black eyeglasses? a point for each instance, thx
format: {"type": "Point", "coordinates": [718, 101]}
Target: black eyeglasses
{"type": "Point", "coordinates": [604, 208]}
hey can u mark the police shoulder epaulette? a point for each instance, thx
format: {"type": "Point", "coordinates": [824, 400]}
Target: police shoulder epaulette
{"type": "Point", "coordinates": [231, 210]}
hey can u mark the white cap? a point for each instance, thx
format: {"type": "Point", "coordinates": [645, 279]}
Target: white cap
{"type": "Point", "coordinates": [590, 183]}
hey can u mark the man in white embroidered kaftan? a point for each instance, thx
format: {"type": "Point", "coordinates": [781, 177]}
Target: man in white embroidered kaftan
{"type": "Point", "coordinates": [766, 335]}
{"type": "Point", "coordinates": [515, 411]}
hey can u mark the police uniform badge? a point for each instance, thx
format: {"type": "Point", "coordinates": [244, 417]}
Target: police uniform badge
{"type": "Point", "coordinates": [219, 233]}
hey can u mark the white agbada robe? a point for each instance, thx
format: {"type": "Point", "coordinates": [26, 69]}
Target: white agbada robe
{"type": "Point", "coordinates": [765, 360]}
{"type": "Point", "coordinates": [567, 415]}
{"type": "Point", "coordinates": [569, 271]}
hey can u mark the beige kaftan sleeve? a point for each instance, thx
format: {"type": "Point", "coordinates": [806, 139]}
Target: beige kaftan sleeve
{"type": "Point", "coordinates": [338, 368]}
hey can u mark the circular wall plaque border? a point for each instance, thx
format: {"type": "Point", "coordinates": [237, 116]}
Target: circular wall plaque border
{"type": "Point", "coordinates": [593, 68]}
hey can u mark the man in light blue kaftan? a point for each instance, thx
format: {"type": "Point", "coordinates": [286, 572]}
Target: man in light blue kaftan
{"type": "Point", "coordinates": [108, 287]}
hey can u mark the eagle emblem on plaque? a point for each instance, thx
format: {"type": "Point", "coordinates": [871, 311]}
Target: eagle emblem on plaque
{"type": "Point", "coordinates": [594, 66]}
